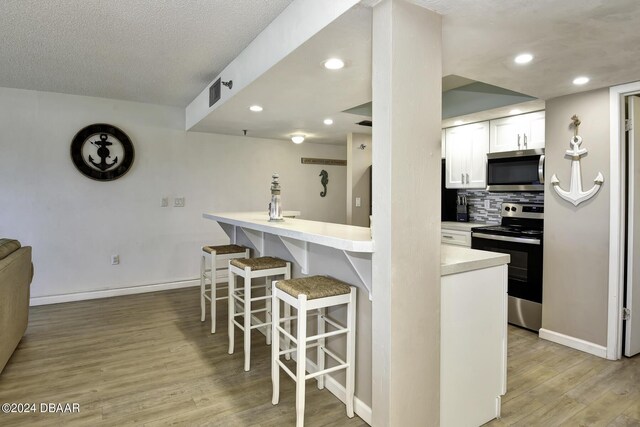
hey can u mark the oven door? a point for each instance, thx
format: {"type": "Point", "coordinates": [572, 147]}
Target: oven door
{"type": "Point", "coordinates": [525, 268]}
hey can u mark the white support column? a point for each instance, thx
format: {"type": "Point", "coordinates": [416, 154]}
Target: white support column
{"type": "Point", "coordinates": [407, 75]}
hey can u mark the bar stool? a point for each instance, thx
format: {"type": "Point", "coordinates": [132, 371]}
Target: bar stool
{"type": "Point", "coordinates": [248, 269]}
{"type": "Point", "coordinates": [217, 257]}
{"type": "Point", "coordinates": [305, 294]}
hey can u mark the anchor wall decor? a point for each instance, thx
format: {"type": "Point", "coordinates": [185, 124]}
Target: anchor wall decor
{"type": "Point", "coordinates": [575, 194]}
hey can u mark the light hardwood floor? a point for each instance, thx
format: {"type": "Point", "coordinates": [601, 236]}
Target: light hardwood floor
{"type": "Point", "coordinates": [148, 360]}
{"type": "Point", "coordinates": [552, 385]}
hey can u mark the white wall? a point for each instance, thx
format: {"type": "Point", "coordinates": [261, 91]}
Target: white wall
{"type": "Point", "coordinates": [358, 179]}
{"type": "Point", "coordinates": [74, 223]}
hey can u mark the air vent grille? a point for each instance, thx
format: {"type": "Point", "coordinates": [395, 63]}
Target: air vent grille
{"type": "Point", "coordinates": [214, 93]}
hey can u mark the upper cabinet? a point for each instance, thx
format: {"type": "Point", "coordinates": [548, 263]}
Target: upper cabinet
{"type": "Point", "coordinates": [522, 132]}
{"type": "Point", "coordinates": [466, 155]}
{"type": "Point", "coordinates": [442, 141]}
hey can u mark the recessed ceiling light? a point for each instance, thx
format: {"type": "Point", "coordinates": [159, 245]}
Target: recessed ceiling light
{"type": "Point", "coordinates": [255, 108]}
{"type": "Point", "coordinates": [581, 80]}
{"type": "Point", "coordinates": [333, 64]}
{"type": "Point", "coordinates": [515, 111]}
{"type": "Point", "coordinates": [297, 139]}
{"type": "Point", "coordinates": [458, 122]}
{"type": "Point", "coordinates": [328, 121]}
{"type": "Point", "coordinates": [524, 58]}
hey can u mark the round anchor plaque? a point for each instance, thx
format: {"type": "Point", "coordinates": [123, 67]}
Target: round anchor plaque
{"type": "Point", "coordinates": [102, 152]}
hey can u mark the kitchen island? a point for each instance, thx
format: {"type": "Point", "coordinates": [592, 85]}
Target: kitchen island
{"type": "Point", "coordinates": [473, 306]}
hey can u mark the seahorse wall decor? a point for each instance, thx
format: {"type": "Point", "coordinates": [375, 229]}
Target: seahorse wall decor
{"type": "Point", "coordinates": [324, 181]}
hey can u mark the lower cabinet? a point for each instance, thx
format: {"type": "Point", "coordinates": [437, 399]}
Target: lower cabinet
{"type": "Point", "coordinates": [473, 349]}
{"type": "Point", "coordinates": [456, 237]}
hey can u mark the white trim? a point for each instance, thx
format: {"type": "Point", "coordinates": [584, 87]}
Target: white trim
{"type": "Point", "coordinates": [577, 343]}
{"type": "Point", "coordinates": [106, 293]}
{"type": "Point", "coordinates": [616, 217]}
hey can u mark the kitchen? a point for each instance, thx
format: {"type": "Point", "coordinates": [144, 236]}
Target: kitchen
{"type": "Point", "coordinates": [298, 109]}
{"type": "Point", "coordinates": [500, 117]}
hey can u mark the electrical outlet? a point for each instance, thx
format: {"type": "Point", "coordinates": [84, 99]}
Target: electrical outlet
{"type": "Point", "coordinates": [164, 202]}
{"type": "Point", "coordinates": [358, 202]}
{"type": "Point", "coordinates": [115, 259]}
{"type": "Point", "coordinates": [178, 202]}
{"type": "Point", "coordinates": [487, 204]}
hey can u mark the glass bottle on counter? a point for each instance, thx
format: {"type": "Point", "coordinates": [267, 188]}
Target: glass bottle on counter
{"type": "Point", "coordinates": [275, 207]}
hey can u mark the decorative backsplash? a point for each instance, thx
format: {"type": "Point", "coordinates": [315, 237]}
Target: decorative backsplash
{"type": "Point", "coordinates": [476, 198]}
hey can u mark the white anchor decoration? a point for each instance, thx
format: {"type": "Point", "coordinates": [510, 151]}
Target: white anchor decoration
{"type": "Point", "coordinates": [575, 194]}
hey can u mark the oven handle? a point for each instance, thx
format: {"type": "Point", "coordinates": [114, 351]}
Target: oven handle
{"type": "Point", "coordinates": [506, 238]}
{"type": "Point", "coordinates": [541, 169]}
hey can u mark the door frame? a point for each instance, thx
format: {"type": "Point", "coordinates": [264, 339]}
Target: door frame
{"type": "Point", "coordinates": [617, 215]}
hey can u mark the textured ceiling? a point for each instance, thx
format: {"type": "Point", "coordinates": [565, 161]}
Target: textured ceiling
{"type": "Point", "coordinates": [156, 51]}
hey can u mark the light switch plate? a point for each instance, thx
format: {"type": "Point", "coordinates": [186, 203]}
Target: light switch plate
{"type": "Point", "coordinates": [358, 202]}
{"type": "Point", "coordinates": [487, 204]}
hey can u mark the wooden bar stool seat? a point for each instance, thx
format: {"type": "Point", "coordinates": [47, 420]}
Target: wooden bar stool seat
{"type": "Point", "coordinates": [315, 293]}
{"type": "Point", "coordinates": [214, 262]}
{"type": "Point", "coordinates": [252, 268]}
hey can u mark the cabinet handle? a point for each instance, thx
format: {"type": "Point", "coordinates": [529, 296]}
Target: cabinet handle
{"type": "Point", "coordinates": [447, 237]}
{"type": "Point", "coordinates": [525, 140]}
{"type": "Point", "coordinates": [467, 178]}
{"type": "Point", "coordinates": [462, 175]}
{"type": "Point", "coordinates": [518, 140]}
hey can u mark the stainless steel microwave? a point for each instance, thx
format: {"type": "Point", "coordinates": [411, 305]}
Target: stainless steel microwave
{"type": "Point", "coordinates": [521, 170]}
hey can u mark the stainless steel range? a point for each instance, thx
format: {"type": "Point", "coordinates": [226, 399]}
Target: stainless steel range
{"type": "Point", "coordinates": [519, 235]}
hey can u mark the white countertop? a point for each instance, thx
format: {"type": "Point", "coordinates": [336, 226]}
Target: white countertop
{"type": "Point", "coordinates": [458, 259]}
{"type": "Point", "coordinates": [339, 236]}
{"type": "Point", "coordinates": [463, 226]}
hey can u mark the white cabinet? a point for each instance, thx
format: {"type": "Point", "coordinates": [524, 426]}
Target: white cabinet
{"type": "Point", "coordinates": [523, 132]}
{"type": "Point", "coordinates": [456, 237]}
{"type": "Point", "coordinates": [442, 142]}
{"type": "Point", "coordinates": [466, 155]}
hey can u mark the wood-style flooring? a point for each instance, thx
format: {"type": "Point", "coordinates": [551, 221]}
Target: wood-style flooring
{"type": "Point", "coordinates": [552, 385]}
{"type": "Point", "coordinates": [148, 360]}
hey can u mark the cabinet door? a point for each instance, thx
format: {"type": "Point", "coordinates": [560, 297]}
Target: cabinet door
{"type": "Point", "coordinates": [456, 155]}
{"type": "Point", "coordinates": [477, 149]}
{"type": "Point", "coordinates": [442, 142]}
{"type": "Point", "coordinates": [535, 130]}
{"type": "Point", "coordinates": [506, 134]}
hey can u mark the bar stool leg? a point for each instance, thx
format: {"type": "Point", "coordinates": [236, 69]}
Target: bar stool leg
{"type": "Point", "coordinates": [247, 319]}
{"type": "Point", "coordinates": [351, 352]}
{"type": "Point", "coordinates": [268, 317]}
{"type": "Point", "coordinates": [203, 306]}
{"type": "Point", "coordinates": [287, 314]}
{"type": "Point", "coordinates": [321, 343]}
{"type": "Point", "coordinates": [214, 290]}
{"type": "Point", "coordinates": [275, 348]}
{"type": "Point", "coordinates": [232, 311]}
{"type": "Point", "coordinates": [301, 355]}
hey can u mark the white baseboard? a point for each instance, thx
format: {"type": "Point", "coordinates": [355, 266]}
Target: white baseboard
{"type": "Point", "coordinates": [576, 343]}
{"type": "Point", "coordinates": [106, 293]}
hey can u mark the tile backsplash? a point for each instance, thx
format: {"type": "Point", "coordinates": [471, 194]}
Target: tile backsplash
{"type": "Point", "coordinates": [476, 198]}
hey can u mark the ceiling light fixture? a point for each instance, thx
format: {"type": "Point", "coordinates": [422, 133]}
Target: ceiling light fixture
{"type": "Point", "coordinates": [580, 80]}
{"type": "Point", "coordinates": [524, 58]}
{"type": "Point", "coordinates": [255, 108]}
{"type": "Point", "coordinates": [297, 139]}
{"type": "Point", "coordinates": [328, 122]}
{"type": "Point", "coordinates": [333, 64]}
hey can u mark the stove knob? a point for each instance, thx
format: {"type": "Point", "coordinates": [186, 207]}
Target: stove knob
{"type": "Point", "coordinates": [513, 209]}
{"type": "Point", "coordinates": [507, 209]}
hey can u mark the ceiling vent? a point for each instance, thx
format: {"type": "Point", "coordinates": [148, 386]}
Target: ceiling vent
{"type": "Point", "coordinates": [365, 123]}
{"type": "Point", "coordinates": [214, 93]}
